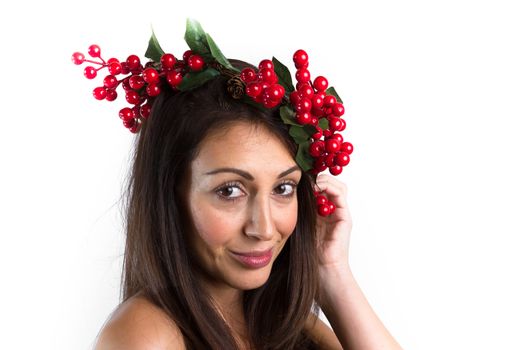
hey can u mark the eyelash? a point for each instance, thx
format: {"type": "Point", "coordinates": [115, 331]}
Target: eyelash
{"type": "Point", "coordinates": [238, 185]}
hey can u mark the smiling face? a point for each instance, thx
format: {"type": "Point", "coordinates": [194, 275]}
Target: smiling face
{"type": "Point", "coordinates": [242, 203]}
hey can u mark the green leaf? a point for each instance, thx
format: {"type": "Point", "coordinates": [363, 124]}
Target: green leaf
{"type": "Point", "coordinates": [298, 133]}
{"type": "Point", "coordinates": [303, 157]}
{"type": "Point", "coordinates": [196, 38]}
{"type": "Point", "coordinates": [310, 129]}
{"type": "Point", "coordinates": [288, 115]}
{"type": "Point", "coordinates": [217, 54]}
{"type": "Point", "coordinates": [195, 79]}
{"type": "Point", "coordinates": [154, 51]}
{"type": "Point", "coordinates": [323, 123]}
{"type": "Point", "coordinates": [331, 91]}
{"type": "Point", "coordinates": [285, 79]}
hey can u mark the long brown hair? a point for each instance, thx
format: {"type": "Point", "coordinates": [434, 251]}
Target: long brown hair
{"type": "Point", "coordinates": [156, 258]}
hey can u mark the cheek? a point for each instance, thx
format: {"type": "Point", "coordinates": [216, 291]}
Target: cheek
{"type": "Point", "coordinates": [213, 227]}
{"type": "Point", "coordinates": [286, 220]}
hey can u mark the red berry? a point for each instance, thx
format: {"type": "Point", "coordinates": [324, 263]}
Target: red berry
{"type": "Point", "coordinates": [329, 159]}
{"type": "Point", "coordinates": [99, 93]}
{"type": "Point", "coordinates": [253, 89]}
{"type": "Point", "coordinates": [267, 75]}
{"type": "Point", "coordinates": [342, 159]}
{"type": "Point", "coordinates": [302, 75]}
{"type": "Point", "coordinates": [320, 165]}
{"type": "Point", "coordinates": [336, 170]}
{"type": "Point", "coordinates": [323, 210]}
{"type": "Point", "coordinates": [276, 92]}
{"type": "Point", "coordinates": [329, 101]}
{"type": "Point", "coordinates": [78, 58]}
{"type": "Point", "coordinates": [136, 82]}
{"type": "Point", "coordinates": [306, 91]}
{"type": "Point", "coordinates": [343, 124]}
{"type": "Point", "coordinates": [132, 97]}
{"type": "Point", "coordinates": [145, 110]}
{"type": "Point", "coordinates": [111, 95]}
{"type": "Point", "coordinates": [327, 133]}
{"type": "Point", "coordinates": [94, 51]}
{"type": "Point", "coordinates": [248, 75]}
{"type": "Point", "coordinates": [115, 68]}
{"type": "Point", "coordinates": [90, 72]}
{"type": "Point", "coordinates": [153, 90]}
{"type": "Point", "coordinates": [332, 207]}
{"type": "Point", "coordinates": [300, 58]}
{"type": "Point", "coordinates": [304, 118]}
{"type": "Point", "coordinates": [110, 81]}
{"type": "Point", "coordinates": [295, 97]}
{"type": "Point", "coordinates": [317, 101]}
{"type": "Point", "coordinates": [174, 78]}
{"type": "Point", "coordinates": [337, 137]}
{"type": "Point", "coordinates": [335, 123]}
{"type": "Point", "coordinates": [126, 113]}
{"type": "Point", "coordinates": [320, 199]}
{"type": "Point", "coordinates": [318, 134]}
{"type": "Point", "coordinates": [266, 64]}
{"type": "Point", "coordinates": [150, 75]}
{"type": "Point", "coordinates": [187, 55]}
{"type": "Point", "coordinates": [316, 148]}
{"type": "Point", "coordinates": [113, 60]}
{"type": "Point", "coordinates": [136, 127]}
{"type": "Point", "coordinates": [332, 145]}
{"type": "Point", "coordinates": [304, 105]}
{"type": "Point", "coordinates": [347, 147]}
{"type": "Point", "coordinates": [314, 121]}
{"type": "Point", "coordinates": [168, 61]}
{"type": "Point", "coordinates": [338, 109]}
{"type": "Point", "coordinates": [320, 83]}
{"type": "Point", "coordinates": [318, 112]}
{"type": "Point", "coordinates": [133, 62]}
{"type": "Point", "coordinates": [196, 63]}
{"type": "Point", "coordinates": [124, 68]}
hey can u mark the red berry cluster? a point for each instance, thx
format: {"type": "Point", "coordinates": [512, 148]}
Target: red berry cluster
{"type": "Point", "coordinates": [141, 83]}
{"type": "Point", "coordinates": [312, 104]}
{"type": "Point", "coordinates": [262, 86]}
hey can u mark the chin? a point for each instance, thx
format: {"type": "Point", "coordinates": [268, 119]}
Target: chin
{"type": "Point", "coordinates": [251, 279]}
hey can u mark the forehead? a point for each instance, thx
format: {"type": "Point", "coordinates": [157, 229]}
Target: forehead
{"type": "Point", "coordinates": [244, 145]}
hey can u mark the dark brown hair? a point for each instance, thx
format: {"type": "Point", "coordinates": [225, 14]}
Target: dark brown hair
{"type": "Point", "coordinates": [157, 261]}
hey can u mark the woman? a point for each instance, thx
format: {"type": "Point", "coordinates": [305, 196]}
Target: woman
{"type": "Point", "coordinates": [225, 248]}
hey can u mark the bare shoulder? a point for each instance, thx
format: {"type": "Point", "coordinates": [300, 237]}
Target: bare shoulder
{"type": "Point", "coordinates": [321, 334]}
{"type": "Point", "coordinates": [139, 324]}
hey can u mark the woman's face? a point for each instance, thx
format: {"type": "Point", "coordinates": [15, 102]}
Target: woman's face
{"type": "Point", "coordinates": [243, 204]}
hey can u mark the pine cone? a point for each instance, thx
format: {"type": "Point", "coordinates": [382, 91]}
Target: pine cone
{"type": "Point", "coordinates": [235, 87]}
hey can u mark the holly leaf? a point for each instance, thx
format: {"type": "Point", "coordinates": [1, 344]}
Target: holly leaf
{"type": "Point", "coordinates": [303, 157]}
{"type": "Point", "coordinates": [288, 115]}
{"type": "Point", "coordinates": [154, 51]}
{"type": "Point", "coordinates": [217, 54]}
{"type": "Point", "coordinates": [310, 129]}
{"type": "Point", "coordinates": [196, 38]}
{"type": "Point", "coordinates": [298, 133]}
{"type": "Point", "coordinates": [195, 79]}
{"type": "Point", "coordinates": [285, 78]}
{"type": "Point", "coordinates": [331, 91]}
{"type": "Point", "coordinates": [323, 123]}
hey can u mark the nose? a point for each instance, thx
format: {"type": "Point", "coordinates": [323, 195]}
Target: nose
{"type": "Point", "coordinates": [260, 223]}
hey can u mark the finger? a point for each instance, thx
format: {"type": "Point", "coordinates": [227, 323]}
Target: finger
{"type": "Point", "coordinates": [335, 190]}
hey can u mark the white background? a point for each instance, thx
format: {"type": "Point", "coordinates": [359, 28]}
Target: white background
{"type": "Point", "coordinates": [435, 99]}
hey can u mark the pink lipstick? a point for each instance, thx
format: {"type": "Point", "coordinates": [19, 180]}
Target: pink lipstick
{"type": "Point", "coordinates": [254, 259]}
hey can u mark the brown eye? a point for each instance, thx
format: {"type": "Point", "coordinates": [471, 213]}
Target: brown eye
{"type": "Point", "coordinates": [285, 189]}
{"type": "Point", "coordinates": [229, 192]}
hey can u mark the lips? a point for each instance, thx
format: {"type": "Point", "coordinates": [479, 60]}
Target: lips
{"type": "Point", "coordinates": [253, 259]}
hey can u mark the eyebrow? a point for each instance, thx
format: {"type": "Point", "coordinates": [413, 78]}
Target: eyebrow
{"type": "Point", "coordinates": [247, 175]}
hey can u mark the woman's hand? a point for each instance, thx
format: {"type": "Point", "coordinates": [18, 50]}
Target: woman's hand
{"type": "Point", "coordinates": [333, 231]}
